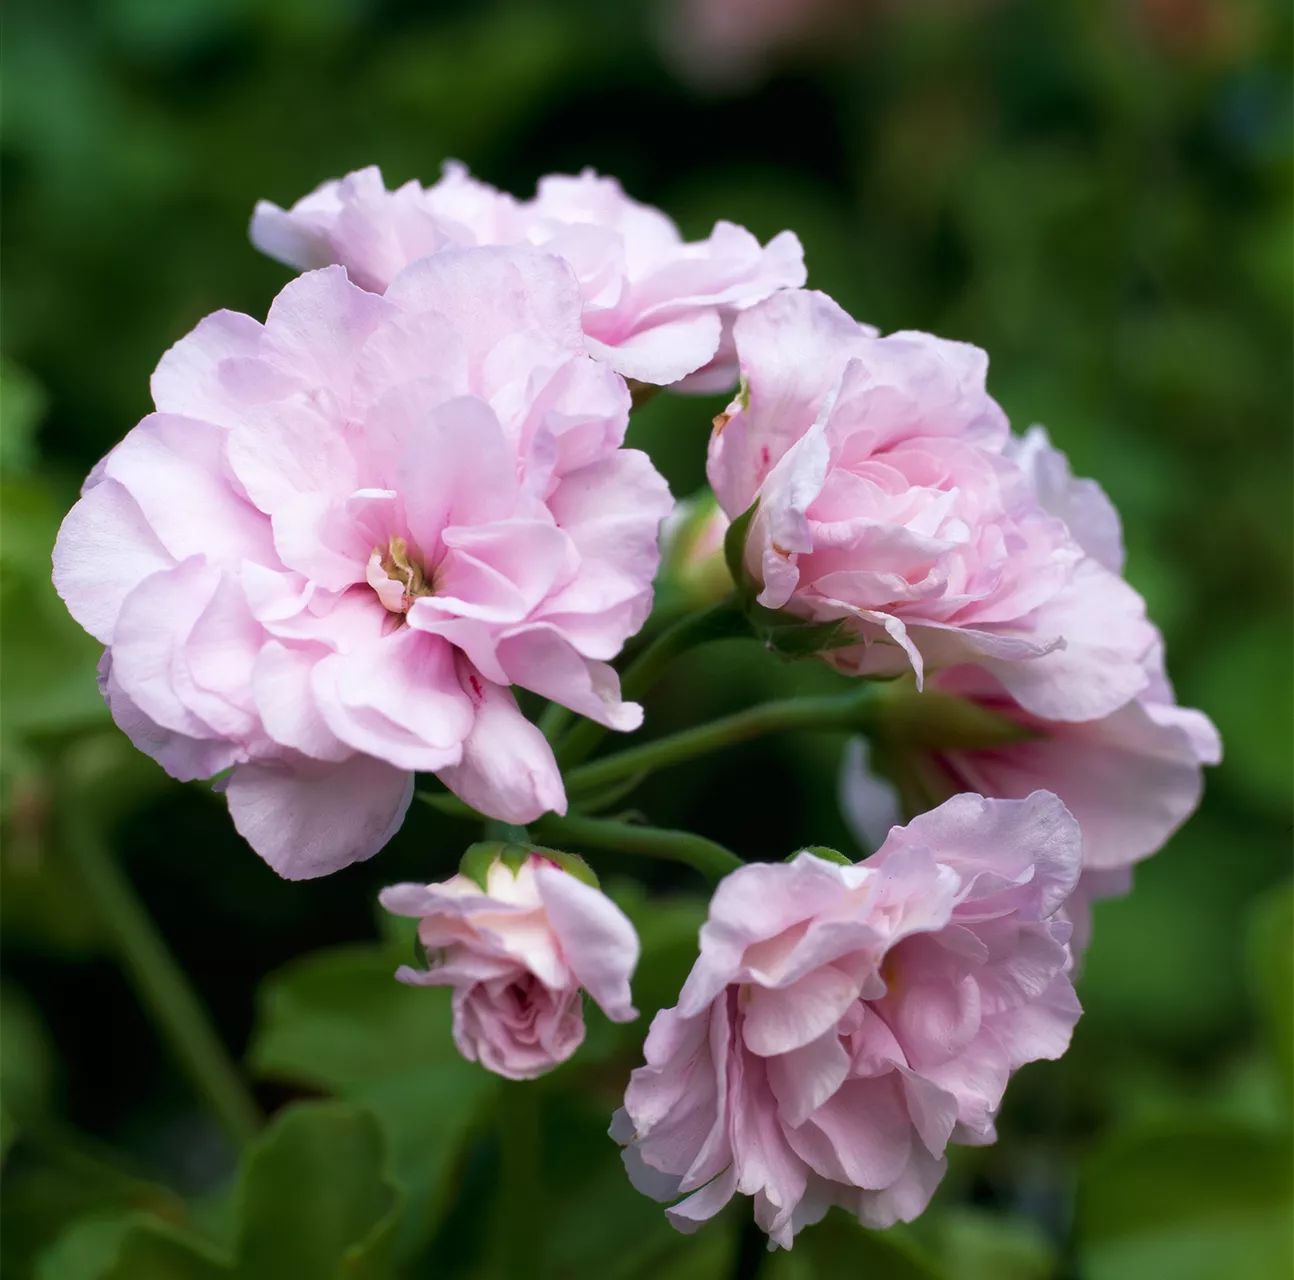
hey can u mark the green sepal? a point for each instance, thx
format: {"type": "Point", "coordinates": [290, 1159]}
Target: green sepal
{"type": "Point", "coordinates": [792, 637]}
{"type": "Point", "coordinates": [823, 852]}
{"type": "Point", "coordinates": [571, 863]}
{"type": "Point", "coordinates": [937, 720]}
{"type": "Point", "coordinates": [734, 554]}
{"type": "Point", "coordinates": [475, 864]}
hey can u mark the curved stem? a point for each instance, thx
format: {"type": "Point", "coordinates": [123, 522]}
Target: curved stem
{"type": "Point", "coordinates": [710, 859]}
{"type": "Point", "coordinates": [719, 621]}
{"type": "Point", "coordinates": [162, 986]}
{"type": "Point", "coordinates": [855, 711]}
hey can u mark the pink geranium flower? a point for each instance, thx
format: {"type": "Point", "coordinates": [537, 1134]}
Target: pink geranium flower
{"type": "Point", "coordinates": [843, 1024]}
{"type": "Point", "coordinates": [656, 308]}
{"type": "Point", "coordinates": [889, 499]}
{"type": "Point", "coordinates": [346, 532]}
{"type": "Point", "coordinates": [517, 951]}
{"type": "Point", "coordinates": [1131, 777]}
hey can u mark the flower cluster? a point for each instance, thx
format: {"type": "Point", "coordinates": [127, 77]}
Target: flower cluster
{"type": "Point", "coordinates": [350, 533]}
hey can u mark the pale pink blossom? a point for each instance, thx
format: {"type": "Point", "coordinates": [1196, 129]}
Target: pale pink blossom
{"type": "Point", "coordinates": [656, 308]}
{"type": "Point", "coordinates": [843, 1024]}
{"type": "Point", "coordinates": [1130, 778]}
{"type": "Point", "coordinates": [891, 497]}
{"type": "Point", "coordinates": [517, 951]}
{"type": "Point", "coordinates": [345, 534]}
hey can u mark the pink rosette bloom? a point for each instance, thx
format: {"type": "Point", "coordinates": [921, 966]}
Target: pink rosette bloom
{"type": "Point", "coordinates": [517, 953]}
{"type": "Point", "coordinates": [656, 308]}
{"type": "Point", "coordinates": [346, 532]}
{"type": "Point", "coordinates": [844, 1023]}
{"type": "Point", "coordinates": [1131, 778]}
{"type": "Point", "coordinates": [889, 498]}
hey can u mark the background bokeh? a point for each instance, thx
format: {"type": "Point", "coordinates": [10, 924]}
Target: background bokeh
{"type": "Point", "coordinates": [1096, 191]}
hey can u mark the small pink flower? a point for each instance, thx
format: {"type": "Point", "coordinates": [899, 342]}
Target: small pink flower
{"type": "Point", "coordinates": [347, 532]}
{"type": "Point", "coordinates": [891, 496]}
{"type": "Point", "coordinates": [843, 1024]}
{"type": "Point", "coordinates": [1130, 778]}
{"type": "Point", "coordinates": [656, 308]}
{"type": "Point", "coordinates": [517, 953]}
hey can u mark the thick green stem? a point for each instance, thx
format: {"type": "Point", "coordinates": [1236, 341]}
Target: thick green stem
{"type": "Point", "coordinates": [718, 622]}
{"type": "Point", "coordinates": [854, 712]}
{"type": "Point", "coordinates": [161, 984]}
{"type": "Point", "coordinates": [519, 1218]}
{"type": "Point", "coordinates": [710, 859]}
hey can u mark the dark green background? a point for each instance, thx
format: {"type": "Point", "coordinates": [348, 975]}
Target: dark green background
{"type": "Point", "coordinates": [1097, 193]}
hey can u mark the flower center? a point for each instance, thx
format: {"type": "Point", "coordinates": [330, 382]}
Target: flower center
{"type": "Point", "coordinates": [397, 577]}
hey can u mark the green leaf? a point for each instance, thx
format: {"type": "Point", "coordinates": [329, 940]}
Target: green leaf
{"type": "Point", "coordinates": [837, 1246]}
{"type": "Point", "coordinates": [48, 682]}
{"type": "Point", "coordinates": [313, 1199]}
{"type": "Point", "coordinates": [977, 1245]}
{"type": "Point", "coordinates": [26, 1057]}
{"type": "Point", "coordinates": [1271, 972]}
{"type": "Point", "coordinates": [598, 1225]}
{"type": "Point", "coordinates": [337, 1020]}
{"type": "Point", "coordinates": [152, 1250]}
{"type": "Point", "coordinates": [129, 1246]}
{"type": "Point", "coordinates": [22, 406]}
{"type": "Point", "coordinates": [1192, 1198]}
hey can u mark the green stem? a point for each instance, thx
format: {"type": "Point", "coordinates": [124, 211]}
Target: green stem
{"type": "Point", "coordinates": [162, 986]}
{"type": "Point", "coordinates": [853, 712]}
{"type": "Point", "coordinates": [719, 621]}
{"type": "Point", "coordinates": [710, 859]}
{"type": "Point", "coordinates": [520, 1213]}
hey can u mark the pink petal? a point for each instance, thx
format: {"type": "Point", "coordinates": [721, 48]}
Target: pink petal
{"type": "Point", "coordinates": [507, 771]}
{"type": "Point", "coordinates": [597, 940]}
{"type": "Point", "coordinates": [105, 549]}
{"type": "Point", "coordinates": [315, 819]}
{"type": "Point", "coordinates": [540, 659]}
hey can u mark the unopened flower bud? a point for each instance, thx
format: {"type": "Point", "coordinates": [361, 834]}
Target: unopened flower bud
{"type": "Point", "coordinates": [692, 559]}
{"type": "Point", "coordinates": [517, 933]}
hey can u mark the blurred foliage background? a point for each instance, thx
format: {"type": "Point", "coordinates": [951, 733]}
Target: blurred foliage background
{"type": "Point", "coordinates": [1096, 191]}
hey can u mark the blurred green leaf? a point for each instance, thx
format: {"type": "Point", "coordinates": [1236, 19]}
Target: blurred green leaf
{"type": "Point", "coordinates": [22, 405]}
{"type": "Point", "coordinates": [313, 1199]}
{"type": "Point", "coordinates": [1247, 676]}
{"type": "Point", "coordinates": [837, 1246]}
{"type": "Point", "coordinates": [129, 1246]}
{"type": "Point", "coordinates": [1193, 1199]}
{"type": "Point", "coordinates": [26, 1056]}
{"type": "Point", "coordinates": [54, 1179]}
{"type": "Point", "coordinates": [975, 1244]}
{"type": "Point", "coordinates": [48, 680]}
{"type": "Point", "coordinates": [1271, 972]}
{"type": "Point", "coordinates": [598, 1225]}
{"type": "Point", "coordinates": [313, 1202]}
{"type": "Point", "coordinates": [338, 1020]}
